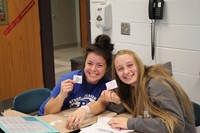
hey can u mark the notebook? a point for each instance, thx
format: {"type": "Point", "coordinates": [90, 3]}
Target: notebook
{"type": "Point", "coordinates": [24, 124]}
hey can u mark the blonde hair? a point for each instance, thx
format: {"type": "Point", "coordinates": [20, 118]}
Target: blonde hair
{"type": "Point", "coordinates": [138, 99]}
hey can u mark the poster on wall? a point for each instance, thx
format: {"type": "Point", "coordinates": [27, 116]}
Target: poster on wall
{"type": "Point", "coordinates": [3, 12]}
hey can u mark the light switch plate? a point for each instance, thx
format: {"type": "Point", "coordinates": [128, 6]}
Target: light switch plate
{"type": "Point", "coordinates": [125, 28]}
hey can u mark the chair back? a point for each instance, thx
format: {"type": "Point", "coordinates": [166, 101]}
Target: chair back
{"type": "Point", "coordinates": [31, 100]}
{"type": "Point", "coordinates": [197, 114]}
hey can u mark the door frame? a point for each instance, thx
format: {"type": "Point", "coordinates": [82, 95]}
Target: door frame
{"type": "Point", "coordinates": [85, 22]}
{"type": "Point", "coordinates": [47, 37]}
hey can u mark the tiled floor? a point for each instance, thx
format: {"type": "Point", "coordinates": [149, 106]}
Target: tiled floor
{"type": "Point", "coordinates": [62, 59]}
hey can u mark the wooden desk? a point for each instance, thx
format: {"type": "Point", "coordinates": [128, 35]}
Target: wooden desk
{"type": "Point", "coordinates": [62, 118]}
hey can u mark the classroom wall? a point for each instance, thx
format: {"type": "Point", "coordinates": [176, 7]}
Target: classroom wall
{"type": "Point", "coordinates": [177, 36]}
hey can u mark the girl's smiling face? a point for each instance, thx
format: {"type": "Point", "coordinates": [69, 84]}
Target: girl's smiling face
{"type": "Point", "coordinates": [95, 68]}
{"type": "Point", "coordinates": [126, 68]}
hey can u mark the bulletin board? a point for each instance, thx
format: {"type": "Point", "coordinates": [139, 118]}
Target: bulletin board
{"type": "Point", "coordinates": [3, 12]}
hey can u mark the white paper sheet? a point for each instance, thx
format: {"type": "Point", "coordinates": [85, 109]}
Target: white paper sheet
{"type": "Point", "coordinates": [102, 127]}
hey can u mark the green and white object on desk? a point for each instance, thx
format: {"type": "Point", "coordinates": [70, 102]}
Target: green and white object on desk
{"type": "Point", "coordinates": [25, 124]}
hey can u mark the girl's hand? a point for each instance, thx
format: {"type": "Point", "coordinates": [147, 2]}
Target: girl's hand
{"type": "Point", "coordinates": [110, 96]}
{"type": "Point", "coordinates": [76, 118]}
{"type": "Point", "coordinates": [118, 123]}
{"type": "Point", "coordinates": [66, 87]}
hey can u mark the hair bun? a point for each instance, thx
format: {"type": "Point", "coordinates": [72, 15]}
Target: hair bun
{"type": "Point", "coordinates": [103, 41]}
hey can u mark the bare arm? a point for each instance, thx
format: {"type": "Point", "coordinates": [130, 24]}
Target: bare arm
{"type": "Point", "coordinates": [101, 104]}
{"type": "Point", "coordinates": [54, 105]}
{"type": "Point", "coordinates": [76, 118]}
{"type": "Point", "coordinates": [98, 107]}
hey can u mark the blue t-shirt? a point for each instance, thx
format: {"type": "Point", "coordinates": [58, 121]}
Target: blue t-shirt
{"type": "Point", "coordinates": [81, 94]}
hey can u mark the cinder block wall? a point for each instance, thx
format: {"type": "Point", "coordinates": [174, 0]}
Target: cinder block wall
{"type": "Point", "coordinates": [177, 36]}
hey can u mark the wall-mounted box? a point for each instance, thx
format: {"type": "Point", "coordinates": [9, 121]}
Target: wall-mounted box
{"type": "Point", "coordinates": [103, 14]}
{"type": "Point", "coordinates": [99, 1]}
{"type": "Point", "coordinates": [3, 12]}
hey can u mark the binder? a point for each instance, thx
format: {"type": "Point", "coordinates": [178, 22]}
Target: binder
{"type": "Point", "coordinates": [24, 124]}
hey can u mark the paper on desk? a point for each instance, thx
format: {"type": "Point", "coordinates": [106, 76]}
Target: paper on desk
{"type": "Point", "coordinates": [102, 127]}
{"type": "Point", "coordinates": [55, 122]}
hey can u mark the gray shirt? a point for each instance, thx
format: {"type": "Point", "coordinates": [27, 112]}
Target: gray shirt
{"type": "Point", "coordinates": [166, 100]}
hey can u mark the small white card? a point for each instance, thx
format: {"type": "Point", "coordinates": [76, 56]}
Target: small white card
{"type": "Point", "coordinates": [103, 127]}
{"type": "Point", "coordinates": [77, 79]}
{"type": "Point", "coordinates": [55, 122]}
{"type": "Point", "coordinates": [111, 85]}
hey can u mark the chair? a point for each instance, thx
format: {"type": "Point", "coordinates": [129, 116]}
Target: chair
{"type": "Point", "coordinates": [31, 100]}
{"type": "Point", "coordinates": [197, 113]}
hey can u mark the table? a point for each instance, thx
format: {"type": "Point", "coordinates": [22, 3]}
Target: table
{"type": "Point", "coordinates": [58, 121]}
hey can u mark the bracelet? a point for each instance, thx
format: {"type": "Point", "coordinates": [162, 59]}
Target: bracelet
{"type": "Point", "coordinates": [86, 108]}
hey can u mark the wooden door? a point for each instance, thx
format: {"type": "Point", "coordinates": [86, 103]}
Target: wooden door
{"type": "Point", "coordinates": [85, 23]}
{"type": "Point", "coordinates": [20, 51]}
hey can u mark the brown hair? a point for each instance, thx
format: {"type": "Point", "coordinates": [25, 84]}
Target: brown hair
{"type": "Point", "coordinates": [135, 99]}
{"type": "Point", "coordinates": [103, 47]}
